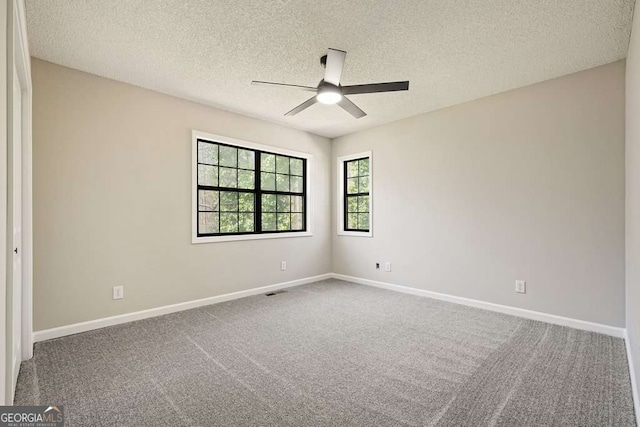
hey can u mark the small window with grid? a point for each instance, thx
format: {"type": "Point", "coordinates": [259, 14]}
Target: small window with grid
{"type": "Point", "coordinates": [356, 195]}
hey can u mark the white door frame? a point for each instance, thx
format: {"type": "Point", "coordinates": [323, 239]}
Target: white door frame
{"type": "Point", "coordinates": [23, 66]}
{"type": "Point", "coordinates": [4, 9]}
{"type": "Point", "coordinates": [16, 64]}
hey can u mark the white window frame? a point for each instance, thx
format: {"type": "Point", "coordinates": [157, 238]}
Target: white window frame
{"type": "Point", "coordinates": [340, 192]}
{"type": "Point", "coordinates": [195, 239]}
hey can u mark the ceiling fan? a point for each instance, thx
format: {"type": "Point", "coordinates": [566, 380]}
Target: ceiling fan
{"type": "Point", "coordinates": [329, 90]}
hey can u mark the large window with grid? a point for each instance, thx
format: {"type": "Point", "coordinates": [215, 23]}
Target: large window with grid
{"type": "Point", "coordinates": [355, 194]}
{"type": "Point", "coordinates": [243, 189]}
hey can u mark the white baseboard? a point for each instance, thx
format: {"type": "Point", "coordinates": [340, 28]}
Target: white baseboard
{"type": "Point", "coordinates": [632, 373]}
{"type": "Point", "coordinates": [153, 312]}
{"type": "Point", "coordinates": [76, 328]}
{"type": "Point", "coordinates": [520, 312]}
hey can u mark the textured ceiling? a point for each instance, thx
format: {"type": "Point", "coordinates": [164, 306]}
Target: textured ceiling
{"type": "Point", "coordinates": [208, 51]}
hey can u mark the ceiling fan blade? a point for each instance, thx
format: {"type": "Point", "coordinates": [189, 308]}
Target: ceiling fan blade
{"type": "Point", "coordinates": [375, 87]}
{"type": "Point", "coordinates": [334, 66]}
{"type": "Point", "coordinates": [306, 104]}
{"type": "Point", "coordinates": [261, 83]}
{"type": "Point", "coordinates": [351, 108]}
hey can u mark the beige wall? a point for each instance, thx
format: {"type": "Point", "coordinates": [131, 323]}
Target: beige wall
{"type": "Point", "coordinates": [112, 201]}
{"type": "Point", "coordinates": [528, 184]}
{"type": "Point", "coordinates": [633, 195]}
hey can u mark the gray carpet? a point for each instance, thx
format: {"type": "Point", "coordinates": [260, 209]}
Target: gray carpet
{"type": "Point", "coordinates": [333, 354]}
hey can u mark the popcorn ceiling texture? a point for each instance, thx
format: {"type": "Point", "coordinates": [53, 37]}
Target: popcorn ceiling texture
{"type": "Point", "coordinates": [209, 51]}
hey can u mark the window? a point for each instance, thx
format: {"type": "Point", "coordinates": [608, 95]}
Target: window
{"type": "Point", "coordinates": [246, 191]}
{"type": "Point", "coordinates": [355, 198]}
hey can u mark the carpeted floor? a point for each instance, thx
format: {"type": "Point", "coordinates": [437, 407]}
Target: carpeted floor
{"type": "Point", "coordinates": [333, 354]}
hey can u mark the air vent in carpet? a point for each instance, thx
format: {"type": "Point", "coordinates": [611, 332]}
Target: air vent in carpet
{"type": "Point", "coordinates": [270, 294]}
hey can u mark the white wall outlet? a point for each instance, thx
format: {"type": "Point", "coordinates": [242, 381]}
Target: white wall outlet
{"type": "Point", "coordinates": [377, 266]}
{"type": "Point", "coordinates": [387, 267]}
{"type": "Point", "coordinates": [283, 265]}
{"type": "Point", "coordinates": [521, 286]}
{"type": "Point", "coordinates": [118, 292]}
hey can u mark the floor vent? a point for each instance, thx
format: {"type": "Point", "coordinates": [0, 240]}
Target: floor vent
{"type": "Point", "coordinates": [270, 294]}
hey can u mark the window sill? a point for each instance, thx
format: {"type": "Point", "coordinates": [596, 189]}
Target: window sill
{"type": "Point", "coordinates": [355, 233]}
{"type": "Point", "coordinates": [217, 239]}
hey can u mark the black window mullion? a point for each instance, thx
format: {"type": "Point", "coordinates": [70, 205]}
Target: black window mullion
{"type": "Point", "coordinates": [304, 194]}
{"type": "Point", "coordinates": [258, 195]}
{"type": "Point", "coordinates": [346, 196]}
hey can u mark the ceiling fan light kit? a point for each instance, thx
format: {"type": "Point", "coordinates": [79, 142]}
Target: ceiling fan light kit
{"type": "Point", "coordinates": [328, 94]}
{"type": "Point", "coordinates": [329, 91]}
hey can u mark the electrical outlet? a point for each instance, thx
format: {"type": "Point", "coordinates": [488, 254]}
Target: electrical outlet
{"type": "Point", "coordinates": [118, 292]}
{"type": "Point", "coordinates": [521, 286]}
{"type": "Point", "coordinates": [283, 265]}
{"type": "Point", "coordinates": [377, 266]}
{"type": "Point", "coordinates": [387, 267]}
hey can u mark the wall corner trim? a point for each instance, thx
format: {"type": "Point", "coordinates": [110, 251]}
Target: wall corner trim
{"type": "Point", "coordinates": [505, 309]}
{"type": "Point", "coordinates": [75, 328]}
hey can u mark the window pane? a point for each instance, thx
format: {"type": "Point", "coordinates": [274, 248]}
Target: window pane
{"type": "Point", "coordinates": [228, 201]}
{"type": "Point", "coordinates": [208, 200]}
{"type": "Point", "coordinates": [208, 222]}
{"type": "Point", "coordinates": [282, 164]}
{"type": "Point", "coordinates": [296, 221]}
{"type": "Point", "coordinates": [269, 203]}
{"type": "Point", "coordinates": [268, 181]}
{"type": "Point", "coordinates": [363, 221]}
{"type": "Point", "coordinates": [230, 206]}
{"type": "Point", "coordinates": [284, 203]}
{"type": "Point", "coordinates": [207, 153]}
{"type": "Point", "coordinates": [246, 159]}
{"type": "Point", "coordinates": [363, 167]}
{"type": "Point", "coordinates": [364, 184]}
{"type": "Point", "coordinates": [268, 222]}
{"type": "Point", "coordinates": [282, 182]}
{"type": "Point", "coordinates": [246, 223]}
{"type": "Point", "coordinates": [352, 185]}
{"type": "Point", "coordinates": [296, 167]}
{"type": "Point", "coordinates": [208, 175]}
{"type": "Point", "coordinates": [363, 204]}
{"type": "Point", "coordinates": [352, 221]}
{"type": "Point", "coordinates": [296, 204]}
{"type": "Point", "coordinates": [296, 184]}
{"type": "Point", "coordinates": [228, 177]}
{"type": "Point", "coordinates": [228, 156]}
{"type": "Point", "coordinates": [284, 221]}
{"type": "Point", "coordinates": [267, 162]}
{"type": "Point", "coordinates": [246, 202]}
{"type": "Point", "coordinates": [228, 222]}
{"type": "Point", "coordinates": [352, 169]}
{"type": "Point", "coordinates": [246, 179]}
{"type": "Point", "coordinates": [352, 204]}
